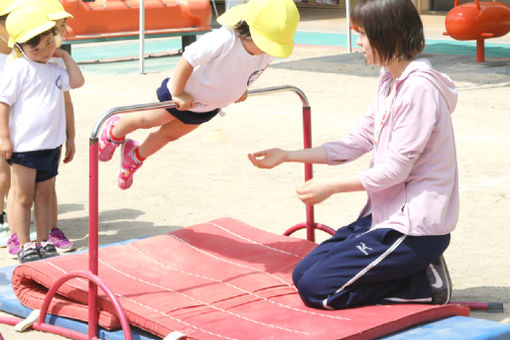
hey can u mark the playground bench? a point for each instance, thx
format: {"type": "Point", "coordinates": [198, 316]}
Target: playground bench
{"type": "Point", "coordinates": [102, 21]}
{"type": "Point", "coordinates": [188, 36]}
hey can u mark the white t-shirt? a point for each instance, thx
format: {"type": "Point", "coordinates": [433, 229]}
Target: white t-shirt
{"type": "Point", "coordinates": [3, 59]}
{"type": "Point", "coordinates": [35, 94]}
{"type": "Point", "coordinates": [222, 69]}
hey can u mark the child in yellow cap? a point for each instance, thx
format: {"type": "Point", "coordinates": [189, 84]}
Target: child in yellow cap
{"type": "Point", "coordinates": [5, 172]}
{"type": "Point", "coordinates": [8, 236]}
{"type": "Point", "coordinates": [33, 122]}
{"type": "Point", "coordinates": [213, 72]}
{"type": "Point", "coordinates": [57, 13]}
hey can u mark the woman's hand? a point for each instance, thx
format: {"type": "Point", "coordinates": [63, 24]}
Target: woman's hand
{"type": "Point", "coordinates": [315, 191]}
{"type": "Point", "coordinates": [268, 159]}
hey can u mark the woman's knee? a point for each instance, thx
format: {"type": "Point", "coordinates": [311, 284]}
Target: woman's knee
{"type": "Point", "coordinates": [310, 290]}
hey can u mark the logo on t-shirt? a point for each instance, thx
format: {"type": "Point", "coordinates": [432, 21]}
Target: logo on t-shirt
{"type": "Point", "coordinates": [254, 76]}
{"type": "Point", "coordinates": [58, 82]}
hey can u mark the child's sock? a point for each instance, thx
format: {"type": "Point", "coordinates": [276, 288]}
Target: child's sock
{"type": "Point", "coordinates": [113, 138]}
{"type": "Point", "coordinates": [137, 156]}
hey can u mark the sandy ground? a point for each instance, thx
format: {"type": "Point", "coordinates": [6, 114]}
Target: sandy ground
{"type": "Point", "coordinates": [206, 174]}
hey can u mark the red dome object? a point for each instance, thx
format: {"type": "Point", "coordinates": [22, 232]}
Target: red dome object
{"type": "Point", "coordinates": [478, 20]}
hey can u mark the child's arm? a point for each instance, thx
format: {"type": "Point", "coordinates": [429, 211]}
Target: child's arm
{"type": "Point", "coordinates": [75, 77]}
{"type": "Point", "coordinates": [182, 100]}
{"type": "Point", "coordinates": [243, 97]}
{"type": "Point", "coordinates": [70, 128]}
{"type": "Point", "coordinates": [5, 134]}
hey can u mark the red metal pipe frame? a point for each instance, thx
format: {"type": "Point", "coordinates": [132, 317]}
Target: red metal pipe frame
{"type": "Point", "coordinates": [310, 224]}
{"type": "Point", "coordinates": [92, 275]}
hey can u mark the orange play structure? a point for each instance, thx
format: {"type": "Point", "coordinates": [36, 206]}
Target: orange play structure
{"type": "Point", "coordinates": [478, 21]}
{"type": "Point", "coordinates": [96, 20]}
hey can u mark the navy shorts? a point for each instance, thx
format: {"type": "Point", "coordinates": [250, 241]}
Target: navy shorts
{"type": "Point", "coordinates": [187, 117]}
{"type": "Point", "coordinates": [44, 161]}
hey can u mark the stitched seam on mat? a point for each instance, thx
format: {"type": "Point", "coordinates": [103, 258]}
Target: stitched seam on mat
{"type": "Point", "coordinates": [201, 302]}
{"type": "Point", "coordinates": [237, 288]}
{"type": "Point", "coordinates": [254, 242]}
{"type": "Point", "coordinates": [68, 282]}
{"type": "Point", "coordinates": [231, 262]}
{"type": "Point", "coordinates": [173, 318]}
{"type": "Point", "coordinates": [158, 311]}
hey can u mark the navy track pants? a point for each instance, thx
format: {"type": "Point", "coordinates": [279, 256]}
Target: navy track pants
{"type": "Point", "coordinates": [359, 266]}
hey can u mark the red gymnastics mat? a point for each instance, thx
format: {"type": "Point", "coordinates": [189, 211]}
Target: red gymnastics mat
{"type": "Point", "coordinates": [222, 279]}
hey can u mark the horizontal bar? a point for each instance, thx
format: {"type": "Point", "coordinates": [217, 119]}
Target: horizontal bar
{"type": "Point", "coordinates": [128, 108]}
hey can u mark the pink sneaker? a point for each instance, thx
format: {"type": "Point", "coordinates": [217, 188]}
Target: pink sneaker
{"type": "Point", "coordinates": [60, 241]}
{"type": "Point", "coordinates": [106, 145]}
{"type": "Point", "coordinates": [128, 164]}
{"type": "Point", "coordinates": [13, 246]}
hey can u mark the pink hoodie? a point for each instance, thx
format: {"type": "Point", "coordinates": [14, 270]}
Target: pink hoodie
{"type": "Point", "coordinates": [412, 181]}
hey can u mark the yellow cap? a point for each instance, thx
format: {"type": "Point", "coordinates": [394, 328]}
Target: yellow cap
{"type": "Point", "coordinates": [53, 8]}
{"type": "Point", "coordinates": [272, 23]}
{"type": "Point", "coordinates": [6, 6]}
{"type": "Point", "coordinates": [26, 22]}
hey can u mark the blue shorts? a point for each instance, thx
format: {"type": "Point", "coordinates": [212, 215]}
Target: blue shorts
{"type": "Point", "coordinates": [44, 161]}
{"type": "Point", "coordinates": [187, 117]}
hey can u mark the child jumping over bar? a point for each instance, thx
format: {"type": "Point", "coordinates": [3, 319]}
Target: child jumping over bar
{"type": "Point", "coordinates": [393, 252]}
{"type": "Point", "coordinates": [213, 72]}
{"type": "Point", "coordinates": [33, 122]}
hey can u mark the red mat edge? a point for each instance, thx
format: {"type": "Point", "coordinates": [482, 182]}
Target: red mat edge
{"type": "Point", "coordinates": [411, 321]}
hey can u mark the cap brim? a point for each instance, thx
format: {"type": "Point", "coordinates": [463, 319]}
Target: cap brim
{"type": "Point", "coordinates": [233, 15]}
{"type": "Point", "coordinates": [59, 15]}
{"type": "Point", "coordinates": [280, 50]}
{"type": "Point", "coordinates": [8, 9]}
{"type": "Point", "coordinates": [32, 33]}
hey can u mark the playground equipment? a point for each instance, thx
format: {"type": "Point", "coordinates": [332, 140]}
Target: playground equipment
{"type": "Point", "coordinates": [92, 275]}
{"type": "Point", "coordinates": [478, 21]}
{"type": "Point", "coordinates": [94, 281]}
{"type": "Point", "coordinates": [100, 20]}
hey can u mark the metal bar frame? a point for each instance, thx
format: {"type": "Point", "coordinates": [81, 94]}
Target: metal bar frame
{"type": "Point", "coordinates": [92, 275]}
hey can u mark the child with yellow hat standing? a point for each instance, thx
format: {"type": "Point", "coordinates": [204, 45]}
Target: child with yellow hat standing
{"type": "Point", "coordinates": [5, 172]}
{"type": "Point", "coordinates": [33, 122]}
{"type": "Point", "coordinates": [57, 13]}
{"type": "Point", "coordinates": [8, 236]}
{"type": "Point", "coordinates": [213, 72]}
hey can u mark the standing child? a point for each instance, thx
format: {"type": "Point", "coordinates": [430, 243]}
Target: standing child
{"type": "Point", "coordinates": [8, 236]}
{"type": "Point", "coordinates": [57, 13]}
{"type": "Point", "coordinates": [32, 122]}
{"type": "Point", "coordinates": [214, 72]}
{"type": "Point", "coordinates": [393, 252]}
{"type": "Point", "coordinates": [5, 172]}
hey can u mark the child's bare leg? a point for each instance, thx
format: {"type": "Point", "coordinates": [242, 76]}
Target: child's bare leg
{"type": "Point", "coordinates": [23, 181]}
{"type": "Point", "coordinates": [10, 201]}
{"type": "Point", "coordinates": [132, 121]}
{"type": "Point", "coordinates": [53, 207]}
{"type": "Point", "coordinates": [5, 184]}
{"type": "Point", "coordinates": [5, 180]}
{"type": "Point", "coordinates": [42, 206]}
{"type": "Point", "coordinates": [169, 132]}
